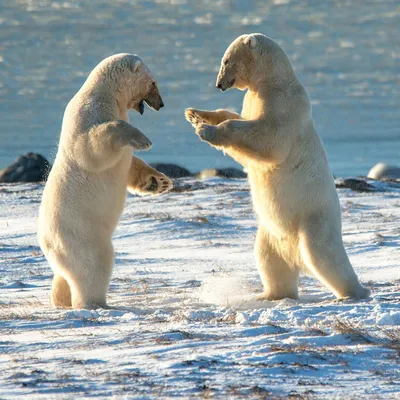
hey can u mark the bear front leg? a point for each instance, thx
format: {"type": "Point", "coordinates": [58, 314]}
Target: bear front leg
{"type": "Point", "coordinates": [196, 117]}
{"type": "Point", "coordinates": [247, 140]}
{"type": "Point", "coordinates": [123, 134]}
{"type": "Point", "coordinates": [221, 140]}
{"type": "Point", "coordinates": [143, 179]}
{"type": "Point", "coordinates": [101, 148]}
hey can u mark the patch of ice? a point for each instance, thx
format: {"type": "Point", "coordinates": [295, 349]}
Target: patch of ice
{"type": "Point", "coordinates": [226, 291]}
{"type": "Point", "coordinates": [242, 318]}
{"type": "Point", "coordinates": [82, 314]}
{"type": "Point", "coordinates": [389, 318]}
{"type": "Point", "coordinates": [200, 315]}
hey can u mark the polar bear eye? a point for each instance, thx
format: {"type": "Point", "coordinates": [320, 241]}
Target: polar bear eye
{"type": "Point", "coordinates": [226, 62]}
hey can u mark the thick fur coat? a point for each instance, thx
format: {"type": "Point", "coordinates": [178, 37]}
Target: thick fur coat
{"type": "Point", "coordinates": [292, 185]}
{"type": "Point", "coordinates": [86, 189]}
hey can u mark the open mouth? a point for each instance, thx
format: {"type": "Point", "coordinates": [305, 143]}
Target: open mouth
{"type": "Point", "coordinates": [231, 83]}
{"type": "Point", "coordinates": [141, 107]}
{"type": "Point", "coordinates": [155, 107]}
{"type": "Point", "coordinates": [228, 86]}
{"type": "Point", "coordinates": [149, 105]}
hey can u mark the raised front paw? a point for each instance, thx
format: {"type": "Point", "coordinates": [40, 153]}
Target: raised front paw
{"type": "Point", "coordinates": [207, 133]}
{"type": "Point", "coordinates": [156, 183]}
{"type": "Point", "coordinates": [193, 117]}
{"type": "Point", "coordinates": [139, 142]}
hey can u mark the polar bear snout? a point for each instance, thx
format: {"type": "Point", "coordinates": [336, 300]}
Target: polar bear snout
{"type": "Point", "coordinates": [154, 100]}
{"type": "Point", "coordinates": [155, 106]}
{"type": "Point", "coordinates": [223, 87]}
{"type": "Point", "coordinates": [225, 79]}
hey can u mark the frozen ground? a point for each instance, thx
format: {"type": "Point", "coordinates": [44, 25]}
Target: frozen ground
{"type": "Point", "coordinates": [185, 322]}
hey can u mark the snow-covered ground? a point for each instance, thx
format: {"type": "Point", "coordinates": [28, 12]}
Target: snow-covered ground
{"type": "Point", "coordinates": [185, 322]}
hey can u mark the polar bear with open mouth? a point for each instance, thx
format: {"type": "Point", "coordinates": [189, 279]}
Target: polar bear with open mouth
{"type": "Point", "coordinates": [86, 189]}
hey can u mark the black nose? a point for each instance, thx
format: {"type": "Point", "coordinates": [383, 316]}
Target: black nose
{"type": "Point", "coordinates": [161, 105]}
{"type": "Point", "coordinates": [219, 86]}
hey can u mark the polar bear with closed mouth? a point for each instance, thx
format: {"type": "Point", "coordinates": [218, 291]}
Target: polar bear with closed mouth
{"type": "Point", "coordinates": [292, 187]}
{"type": "Point", "coordinates": [86, 190]}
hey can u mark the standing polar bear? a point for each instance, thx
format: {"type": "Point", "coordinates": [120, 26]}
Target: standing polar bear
{"type": "Point", "coordinates": [86, 189]}
{"type": "Point", "coordinates": [291, 183]}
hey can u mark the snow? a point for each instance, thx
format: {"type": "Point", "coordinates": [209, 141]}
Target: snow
{"type": "Point", "coordinates": [184, 318]}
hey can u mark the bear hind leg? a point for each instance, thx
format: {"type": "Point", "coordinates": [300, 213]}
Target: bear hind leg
{"type": "Point", "coordinates": [89, 295]}
{"type": "Point", "coordinates": [323, 254]}
{"type": "Point", "coordinates": [89, 283]}
{"type": "Point", "coordinates": [279, 279]}
{"type": "Point", "coordinates": [60, 292]}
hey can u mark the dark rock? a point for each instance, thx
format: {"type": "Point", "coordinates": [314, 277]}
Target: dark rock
{"type": "Point", "coordinates": [355, 184]}
{"type": "Point", "coordinates": [171, 170]}
{"type": "Point", "coordinates": [232, 173]}
{"type": "Point", "coordinates": [29, 167]}
{"type": "Point", "coordinates": [183, 186]}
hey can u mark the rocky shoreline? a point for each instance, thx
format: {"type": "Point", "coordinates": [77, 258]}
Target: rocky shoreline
{"type": "Point", "coordinates": [33, 167]}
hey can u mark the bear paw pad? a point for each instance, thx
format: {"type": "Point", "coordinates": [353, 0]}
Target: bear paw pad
{"type": "Point", "coordinates": [193, 117]}
{"type": "Point", "coordinates": [155, 184]}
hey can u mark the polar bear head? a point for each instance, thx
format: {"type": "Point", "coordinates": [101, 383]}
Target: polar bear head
{"type": "Point", "coordinates": [128, 78]}
{"type": "Point", "coordinates": [250, 60]}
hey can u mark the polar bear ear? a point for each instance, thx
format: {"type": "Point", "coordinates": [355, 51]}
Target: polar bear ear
{"type": "Point", "coordinates": [250, 41]}
{"type": "Point", "coordinates": [135, 67]}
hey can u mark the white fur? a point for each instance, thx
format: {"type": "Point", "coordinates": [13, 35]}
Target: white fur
{"type": "Point", "coordinates": [251, 41]}
{"type": "Point", "coordinates": [292, 186]}
{"type": "Point", "coordinates": [382, 171]}
{"type": "Point", "coordinates": [86, 189]}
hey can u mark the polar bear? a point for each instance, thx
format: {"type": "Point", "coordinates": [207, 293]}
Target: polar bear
{"type": "Point", "coordinates": [292, 187]}
{"type": "Point", "coordinates": [85, 192]}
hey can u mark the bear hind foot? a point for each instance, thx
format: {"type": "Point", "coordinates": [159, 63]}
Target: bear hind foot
{"type": "Point", "coordinates": [271, 297]}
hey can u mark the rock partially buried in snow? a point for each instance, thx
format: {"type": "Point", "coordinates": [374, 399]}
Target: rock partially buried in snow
{"type": "Point", "coordinates": [357, 185]}
{"type": "Point", "coordinates": [30, 167]}
{"type": "Point", "coordinates": [384, 172]}
{"type": "Point", "coordinates": [232, 173]}
{"type": "Point", "coordinates": [172, 170]}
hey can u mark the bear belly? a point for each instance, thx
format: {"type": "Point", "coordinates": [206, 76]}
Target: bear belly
{"type": "Point", "coordinates": [275, 203]}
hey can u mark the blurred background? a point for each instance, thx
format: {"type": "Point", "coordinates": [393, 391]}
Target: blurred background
{"type": "Point", "coordinates": [346, 53]}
